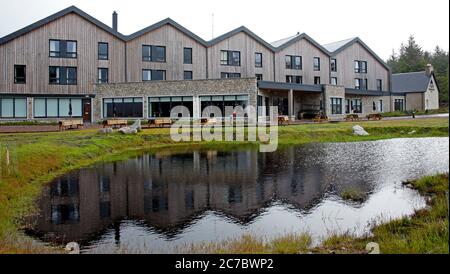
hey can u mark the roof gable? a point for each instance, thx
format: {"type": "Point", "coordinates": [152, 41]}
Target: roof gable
{"type": "Point", "coordinates": [237, 31]}
{"type": "Point", "coordinates": [172, 23]}
{"type": "Point", "coordinates": [56, 16]}
{"type": "Point", "coordinates": [342, 45]}
{"type": "Point", "coordinates": [284, 43]}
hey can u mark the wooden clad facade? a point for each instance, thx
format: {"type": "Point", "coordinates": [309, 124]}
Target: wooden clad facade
{"type": "Point", "coordinates": [174, 41]}
{"type": "Point", "coordinates": [32, 50]}
{"type": "Point", "coordinates": [248, 47]}
{"type": "Point", "coordinates": [346, 71]}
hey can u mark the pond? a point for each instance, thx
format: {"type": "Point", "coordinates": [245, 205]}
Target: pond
{"type": "Point", "coordinates": [157, 203]}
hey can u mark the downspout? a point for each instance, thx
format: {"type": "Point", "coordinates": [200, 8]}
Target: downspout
{"type": "Point", "coordinates": [126, 63]}
{"type": "Point", "coordinates": [207, 63]}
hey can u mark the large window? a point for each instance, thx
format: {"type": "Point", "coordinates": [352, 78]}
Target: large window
{"type": "Point", "coordinates": [316, 80]}
{"type": "Point", "coordinates": [153, 75]}
{"type": "Point", "coordinates": [62, 75]}
{"type": "Point", "coordinates": [154, 53]}
{"type": "Point", "coordinates": [103, 51]}
{"type": "Point", "coordinates": [187, 55]}
{"type": "Point", "coordinates": [293, 62]}
{"type": "Point", "coordinates": [63, 49]}
{"type": "Point", "coordinates": [223, 101]}
{"type": "Point", "coordinates": [316, 64]}
{"type": "Point", "coordinates": [162, 106]}
{"type": "Point", "coordinates": [13, 107]}
{"type": "Point", "coordinates": [103, 75]}
{"type": "Point", "coordinates": [294, 79]}
{"type": "Point", "coordinates": [399, 104]}
{"type": "Point", "coordinates": [225, 75]}
{"type": "Point", "coordinates": [20, 74]}
{"type": "Point", "coordinates": [187, 75]}
{"type": "Point", "coordinates": [336, 105]}
{"type": "Point", "coordinates": [357, 106]}
{"type": "Point", "coordinates": [57, 107]}
{"type": "Point", "coordinates": [230, 58]}
{"type": "Point", "coordinates": [333, 65]}
{"type": "Point", "coordinates": [123, 107]}
{"type": "Point", "coordinates": [360, 66]}
{"type": "Point", "coordinates": [379, 84]}
{"type": "Point", "coordinates": [258, 60]}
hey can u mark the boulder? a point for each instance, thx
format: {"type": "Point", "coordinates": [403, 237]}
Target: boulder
{"type": "Point", "coordinates": [128, 130]}
{"type": "Point", "coordinates": [359, 130]}
{"type": "Point", "coordinates": [137, 125]}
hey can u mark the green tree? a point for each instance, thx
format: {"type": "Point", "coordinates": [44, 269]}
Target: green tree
{"type": "Point", "coordinates": [412, 58]}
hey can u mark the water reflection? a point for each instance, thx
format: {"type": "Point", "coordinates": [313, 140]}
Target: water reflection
{"type": "Point", "coordinates": [170, 196]}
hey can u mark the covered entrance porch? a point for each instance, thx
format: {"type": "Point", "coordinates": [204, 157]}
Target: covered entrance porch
{"type": "Point", "coordinates": [296, 101]}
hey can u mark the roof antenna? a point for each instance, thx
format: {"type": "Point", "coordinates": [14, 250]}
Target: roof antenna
{"type": "Point", "coordinates": [212, 26]}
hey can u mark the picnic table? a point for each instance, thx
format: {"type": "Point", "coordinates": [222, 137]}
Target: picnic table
{"type": "Point", "coordinates": [374, 116]}
{"type": "Point", "coordinates": [283, 120]}
{"type": "Point", "coordinates": [320, 118]}
{"type": "Point", "coordinates": [352, 117]}
{"type": "Point", "coordinates": [115, 123]}
{"type": "Point", "coordinates": [65, 124]}
{"type": "Point", "coordinates": [160, 122]}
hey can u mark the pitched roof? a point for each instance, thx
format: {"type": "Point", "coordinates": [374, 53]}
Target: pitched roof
{"type": "Point", "coordinates": [286, 42]}
{"type": "Point", "coordinates": [172, 23]}
{"type": "Point", "coordinates": [238, 30]}
{"type": "Point", "coordinates": [410, 82]}
{"type": "Point", "coordinates": [56, 16]}
{"type": "Point", "coordinates": [332, 47]}
{"type": "Point", "coordinates": [339, 46]}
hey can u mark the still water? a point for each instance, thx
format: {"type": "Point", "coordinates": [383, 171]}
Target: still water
{"type": "Point", "coordinates": [158, 202]}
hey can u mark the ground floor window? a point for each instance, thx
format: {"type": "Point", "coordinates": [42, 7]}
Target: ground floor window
{"type": "Point", "coordinates": [336, 105]}
{"type": "Point", "coordinates": [57, 107]}
{"type": "Point", "coordinates": [123, 107]}
{"type": "Point", "coordinates": [399, 105]}
{"type": "Point", "coordinates": [161, 106]}
{"type": "Point", "coordinates": [223, 101]}
{"type": "Point", "coordinates": [357, 106]}
{"type": "Point", "coordinates": [13, 107]}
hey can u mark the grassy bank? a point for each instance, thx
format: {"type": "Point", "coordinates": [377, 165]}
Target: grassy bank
{"type": "Point", "coordinates": [409, 113]}
{"type": "Point", "coordinates": [37, 158]}
{"type": "Point", "coordinates": [424, 232]}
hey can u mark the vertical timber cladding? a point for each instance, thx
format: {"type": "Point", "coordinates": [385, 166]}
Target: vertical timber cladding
{"type": "Point", "coordinates": [194, 88]}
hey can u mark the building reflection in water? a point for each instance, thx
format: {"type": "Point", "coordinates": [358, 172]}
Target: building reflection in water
{"type": "Point", "coordinates": [168, 193]}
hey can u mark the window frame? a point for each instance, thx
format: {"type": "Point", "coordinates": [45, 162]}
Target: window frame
{"type": "Point", "coordinates": [57, 107]}
{"type": "Point", "coordinates": [152, 71]}
{"type": "Point", "coordinates": [236, 75]}
{"type": "Point", "coordinates": [335, 81]}
{"type": "Point", "coordinates": [333, 65]}
{"type": "Point", "coordinates": [14, 107]}
{"type": "Point", "coordinates": [102, 56]}
{"type": "Point", "coordinates": [99, 80]}
{"type": "Point", "coordinates": [24, 72]}
{"type": "Point", "coordinates": [153, 57]}
{"type": "Point", "coordinates": [260, 64]}
{"type": "Point", "coordinates": [63, 70]}
{"type": "Point", "coordinates": [190, 60]}
{"type": "Point", "coordinates": [316, 66]}
{"type": "Point", "coordinates": [292, 62]}
{"type": "Point", "coordinates": [191, 73]}
{"type": "Point", "coordinates": [380, 84]}
{"type": "Point", "coordinates": [335, 105]}
{"type": "Point", "coordinates": [63, 53]}
{"type": "Point", "coordinates": [315, 82]}
{"type": "Point", "coordinates": [359, 81]}
{"type": "Point", "coordinates": [229, 61]}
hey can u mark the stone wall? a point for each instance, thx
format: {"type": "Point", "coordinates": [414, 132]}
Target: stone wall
{"type": "Point", "coordinates": [331, 91]}
{"type": "Point", "coordinates": [195, 88]}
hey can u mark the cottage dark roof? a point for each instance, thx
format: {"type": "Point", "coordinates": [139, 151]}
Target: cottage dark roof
{"type": "Point", "coordinates": [410, 82]}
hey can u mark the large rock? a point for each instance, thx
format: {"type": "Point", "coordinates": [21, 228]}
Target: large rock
{"type": "Point", "coordinates": [137, 125]}
{"type": "Point", "coordinates": [359, 130]}
{"type": "Point", "coordinates": [128, 130]}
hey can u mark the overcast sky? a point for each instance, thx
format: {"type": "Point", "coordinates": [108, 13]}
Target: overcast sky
{"type": "Point", "coordinates": [382, 24]}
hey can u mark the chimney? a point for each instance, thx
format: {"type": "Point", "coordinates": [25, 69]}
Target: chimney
{"type": "Point", "coordinates": [429, 70]}
{"type": "Point", "coordinates": [114, 21]}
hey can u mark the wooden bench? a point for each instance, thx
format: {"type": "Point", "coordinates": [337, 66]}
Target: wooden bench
{"type": "Point", "coordinates": [283, 120]}
{"type": "Point", "coordinates": [375, 116]}
{"type": "Point", "coordinates": [115, 123]}
{"type": "Point", "coordinates": [352, 117]}
{"type": "Point", "coordinates": [320, 118]}
{"type": "Point", "coordinates": [65, 124]}
{"type": "Point", "coordinates": [160, 122]}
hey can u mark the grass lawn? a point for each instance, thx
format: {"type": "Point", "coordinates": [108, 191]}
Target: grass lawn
{"type": "Point", "coordinates": [37, 158]}
{"type": "Point", "coordinates": [409, 113]}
